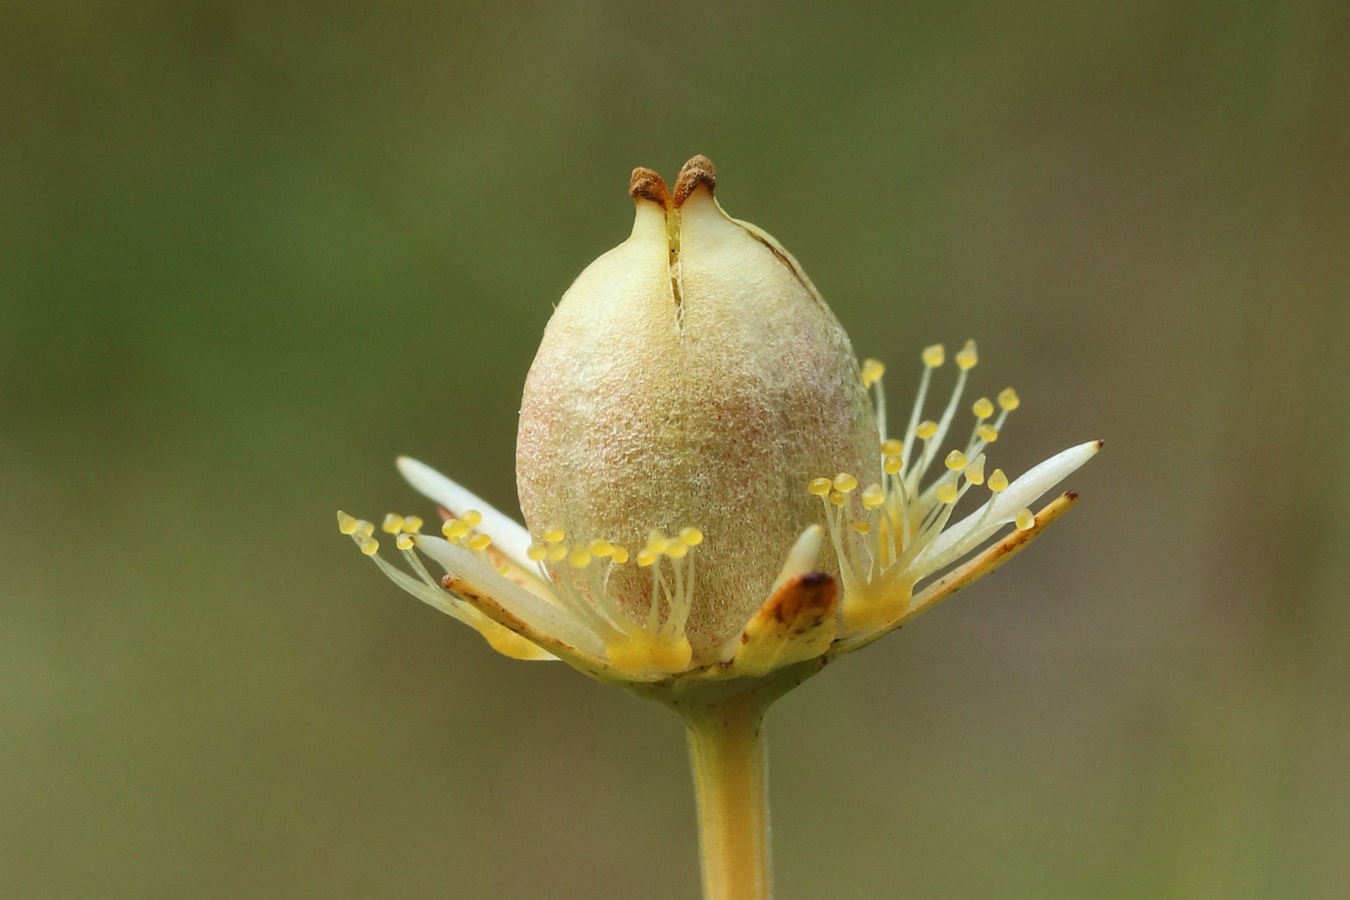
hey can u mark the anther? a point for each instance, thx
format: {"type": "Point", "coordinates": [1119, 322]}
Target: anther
{"type": "Point", "coordinates": [1008, 400]}
{"type": "Point", "coordinates": [946, 492]}
{"type": "Point", "coordinates": [472, 517]}
{"type": "Point", "coordinates": [862, 527]}
{"type": "Point", "coordinates": [998, 482]}
{"type": "Point", "coordinates": [646, 556]}
{"type": "Point", "coordinates": [537, 552]}
{"type": "Point", "coordinates": [557, 552]}
{"type": "Point", "coordinates": [872, 370]}
{"type": "Point", "coordinates": [692, 537]}
{"type": "Point", "coordinates": [820, 486]}
{"type": "Point", "coordinates": [554, 534]}
{"type": "Point", "coordinates": [601, 548]}
{"type": "Point", "coordinates": [392, 524]}
{"type": "Point", "coordinates": [982, 409]}
{"type": "Point", "coordinates": [364, 527]}
{"type": "Point", "coordinates": [369, 546]}
{"type": "Point", "coordinates": [676, 549]}
{"type": "Point", "coordinates": [579, 557]}
{"type": "Point", "coordinates": [844, 482]}
{"type": "Point", "coordinates": [479, 542]}
{"type": "Point", "coordinates": [926, 429]}
{"type": "Point", "coordinates": [454, 529]}
{"type": "Point", "coordinates": [404, 542]}
{"type": "Point", "coordinates": [975, 470]}
{"type": "Point", "coordinates": [837, 498]}
{"type": "Point", "coordinates": [967, 358]}
{"type": "Point", "coordinates": [892, 447]}
{"type": "Point", "coordinates": [892, 465]}
{"type": "Point", "coordinates": [873, 496]}
{"type": "Point", "coordinates": [619, 555]}
{"type": "Point", "coordinates": [987, 433]}
{"type": "Point", "coordinates": [412, 524]}
{"type": "Point", "coordinates": [956, 461]}
{"type": "Point", "coordinates": [934, 356]}
{"type": "Point", "coordinates": [1025, 521]}
{"type": "Point", "coordinates": [346, 523]}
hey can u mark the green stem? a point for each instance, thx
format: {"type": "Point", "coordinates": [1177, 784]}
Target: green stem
{"type": "Point", "coordinates": [730, 768]}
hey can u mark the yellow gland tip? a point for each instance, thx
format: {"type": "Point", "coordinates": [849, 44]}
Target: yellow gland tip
{"type": "Point", "coordinates": [983, 408]}
{"type": "Point", "coordinates": [1008, 400]}
{"type": "Point", "coordinates": [820, 486]}
{"type": "Point", "coordinates": [927, 428]}
{"type": "Point", "coordinates": [472, 517]}
{"type": "Point", "coordinates": [844, 482]}
{"type": "Point", "coordinates": [346, 523]}
{"type": "Point", "coordinates": [554, 534]}
{"type": "Point", "coordinates": [892, 465]}
{"type": "Point", "coordinates": [454, 529]}
{"type": "Point", "coordinates": [872, 370]}
{"type": "Point", "coordinates": [619, 555]}
{"type": "Point", "coordinates": [537, 552]}
{"type": "Point", "coordinates": [998, 481]}
{"type": "Point", "coordinates": [975, 470]}
{"type": "Point", "coordinates": [946, 492]}
{"type": "Point", "coordinates": [404, 542]}
{"type": "Point", "coordinates": [392, 524]}
{"type": "Point", "coordinates": [987, 433]}
{"type": "Point", "coordinates": [934, 356]}
{"type": "Point", "coordinates": [412, 524]}
{"type": "Point", "coordinates": [601, 548]}
{"type": "Point", "coordinates": [892, 447]}
{"type": "Point", "coordinates": [956, 461]}
{"type": "Point", "coordinates": [579, 557]}
{"type": "Point", "coordinates": [557, 552]}
{"type": "Point", "coordinates": [873, 496]}
{"type": "Point", "coordinates": [967, 358]}
{"type": "Point", "coordinates": [1025, 521]}
{"type": "Point", "coordinates": [479, 542]}
{"type": "Point", "coordinates": [691, 536]}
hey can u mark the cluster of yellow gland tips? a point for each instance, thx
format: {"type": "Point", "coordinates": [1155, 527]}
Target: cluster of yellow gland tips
{"type": "Point", "coordinates": [574, 577]}
{"type": "Point", "coordinates": [884, 534]}
{"type": "Point", "coordinates": [402, 528]}
{"type": "Point", "coordinates": [582, 587]}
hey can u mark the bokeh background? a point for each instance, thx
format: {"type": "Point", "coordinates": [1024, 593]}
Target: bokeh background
{"type": "Point", "coordinates": [251, 251]}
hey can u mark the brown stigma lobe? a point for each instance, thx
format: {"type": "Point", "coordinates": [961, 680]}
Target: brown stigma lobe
{"type": "Point", "coordinates": [697, 171]}
{"type": "Point", "coordinates": [649, 185]}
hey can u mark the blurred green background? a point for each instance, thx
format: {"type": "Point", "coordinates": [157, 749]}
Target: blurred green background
{"type": "Point", "coordinates": [251, 251]}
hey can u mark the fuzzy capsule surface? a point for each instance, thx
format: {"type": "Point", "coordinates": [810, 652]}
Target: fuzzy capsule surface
{"type": "Point", "coordinates": [691, 376]}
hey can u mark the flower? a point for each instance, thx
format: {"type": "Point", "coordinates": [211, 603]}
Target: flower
{"type": "Point", "coordinates": [706, 475]}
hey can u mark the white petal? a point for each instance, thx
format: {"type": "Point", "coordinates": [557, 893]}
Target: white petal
{"type": "Point", "coordinates": [1019, 495]}
{"type": "Point", "coordinates": [802, 557]}
{"type": "Point", "coordinates": [534, 611]}
{"type": "Point", "coordinates": [508, 535]}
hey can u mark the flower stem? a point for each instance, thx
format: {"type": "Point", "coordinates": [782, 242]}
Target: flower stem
{"type": "Point", "coordinates": [730, 768]}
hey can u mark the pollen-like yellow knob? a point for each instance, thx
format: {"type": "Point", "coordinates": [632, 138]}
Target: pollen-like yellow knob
{"type": "Point", "coordinates": [692, 376]}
